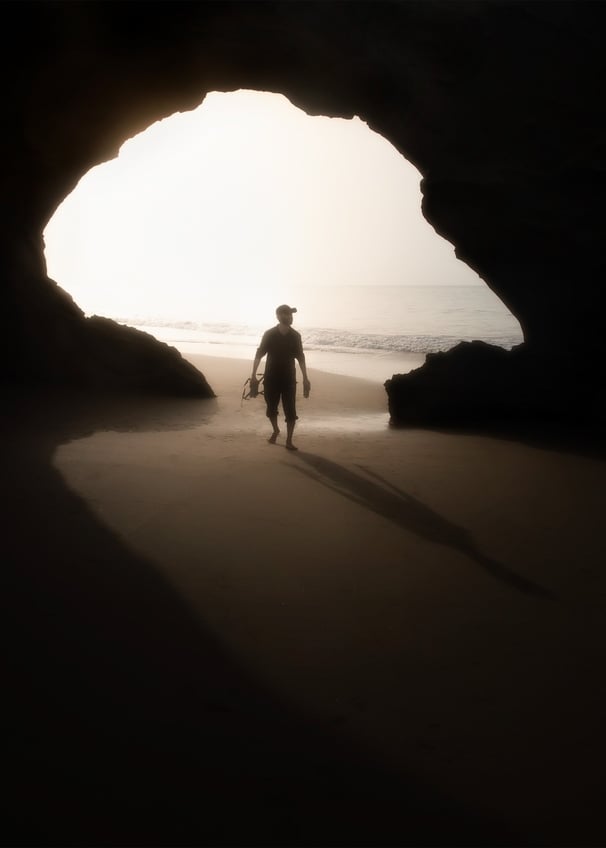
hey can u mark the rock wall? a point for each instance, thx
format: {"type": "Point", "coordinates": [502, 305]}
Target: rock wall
{"type": "Point", "coordinates": [499, 104]}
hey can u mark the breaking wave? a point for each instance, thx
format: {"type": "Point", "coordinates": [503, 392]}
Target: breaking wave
{"type": "Point", "coordinates": [190, 332]}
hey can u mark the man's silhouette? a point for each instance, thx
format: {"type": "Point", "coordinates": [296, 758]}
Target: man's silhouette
{"type": "Point", "coordinates": [283, 346]}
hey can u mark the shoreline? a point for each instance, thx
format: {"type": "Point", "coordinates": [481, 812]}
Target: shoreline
{"type": "Point", "coordinates": [376, 366]}
{"type": "Point", "coordinates": [336, 403]}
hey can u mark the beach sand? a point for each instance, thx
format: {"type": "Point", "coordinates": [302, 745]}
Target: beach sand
{"type": "Point", "coordinates": [386, 637]}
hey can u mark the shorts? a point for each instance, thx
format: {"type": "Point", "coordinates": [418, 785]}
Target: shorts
{"type": "Point", "coordinates": [280, 390]}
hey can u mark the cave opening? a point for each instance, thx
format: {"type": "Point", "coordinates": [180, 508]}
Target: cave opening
{"type": "Point", "coordinates": [210, 218]}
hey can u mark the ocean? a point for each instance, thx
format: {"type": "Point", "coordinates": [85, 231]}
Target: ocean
{"type": "Point", "coordinates": [365, 331]}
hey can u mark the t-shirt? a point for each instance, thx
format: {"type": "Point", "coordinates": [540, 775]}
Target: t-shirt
{"type": "Point", "coordinates": [282, 349]}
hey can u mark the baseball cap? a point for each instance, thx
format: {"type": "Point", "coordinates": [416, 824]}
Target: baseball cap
{"type": "Point", "coordinates": [286, 308]}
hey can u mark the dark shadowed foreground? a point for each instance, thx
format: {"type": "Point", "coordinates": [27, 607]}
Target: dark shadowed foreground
{"type": "Point", "coordinates": [388, 637]}
{"type": "Point", "coordinates": [129, 723]}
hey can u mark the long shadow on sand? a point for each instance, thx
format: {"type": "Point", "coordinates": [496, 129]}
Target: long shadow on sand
{"type": "Point", "coordinates": [385, 499]}
{"type": "Point", "coordinates": [126, 722]}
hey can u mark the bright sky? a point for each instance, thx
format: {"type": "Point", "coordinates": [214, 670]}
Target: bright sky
{"type": "Point", "coordinates": [245, 194]}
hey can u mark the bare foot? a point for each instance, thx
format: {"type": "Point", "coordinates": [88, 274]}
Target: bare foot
{"type": "Point", "coordinates": [273, 437]}
{"type": "Point", "coordinates": [290, 446]}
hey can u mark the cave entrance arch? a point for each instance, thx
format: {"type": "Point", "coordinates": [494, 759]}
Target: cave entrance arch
{"type": "Point", "coordinates": [212, 216]}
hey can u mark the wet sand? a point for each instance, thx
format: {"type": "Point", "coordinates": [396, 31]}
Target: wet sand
{"type": "Point", "coordinates": [387, 637]}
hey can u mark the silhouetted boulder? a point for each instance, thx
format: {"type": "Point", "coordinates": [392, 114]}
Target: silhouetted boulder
{"type": "Point", "coordinates": [124, 358]}
{"type": "Point", "coordinates": [476, 384]}
{"type": "Point", "coordinates": [50, 342]}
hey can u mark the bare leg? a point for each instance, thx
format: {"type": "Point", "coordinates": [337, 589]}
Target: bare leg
{"type": "Point", "coordinates": [276, 430]}
{"type": "Point", "coordinates": [290, 429]}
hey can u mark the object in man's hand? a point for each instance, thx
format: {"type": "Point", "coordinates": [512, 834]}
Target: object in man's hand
{"type": "Point", "coordinates": [254, 388]}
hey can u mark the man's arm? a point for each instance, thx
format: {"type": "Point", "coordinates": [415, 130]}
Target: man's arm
{"type": "Point", "coordinates": [261, 351]}
{"type": "Point", "coordinates": [256, 363]}
{"type": "Point", "coordinates": [302, 366]}
{"type": "Point", "coordinates": [300, 357]}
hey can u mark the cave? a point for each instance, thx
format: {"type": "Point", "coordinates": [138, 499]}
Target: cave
{"type": "Point", "coordinates": [129, 721]}
{"type": "Point", "coordinates": [497, 105]}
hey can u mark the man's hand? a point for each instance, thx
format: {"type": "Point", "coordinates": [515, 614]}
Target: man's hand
{"type": "Point", "coordinates": [306, 388]}
{"type": "Point", "coordinates": [254, 387]}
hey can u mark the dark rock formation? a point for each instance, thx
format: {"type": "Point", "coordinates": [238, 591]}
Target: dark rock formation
{"type": "Point", "coordinates": [480, 385]}
{"type": "Point", "coordinates": [499, 104]}
{"type": "Point", "coordinates": [472, 380]}
{"type": "Point", "coordinates": [134, 361]}
{"type": "Point", "coordinates": [58, 346]}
